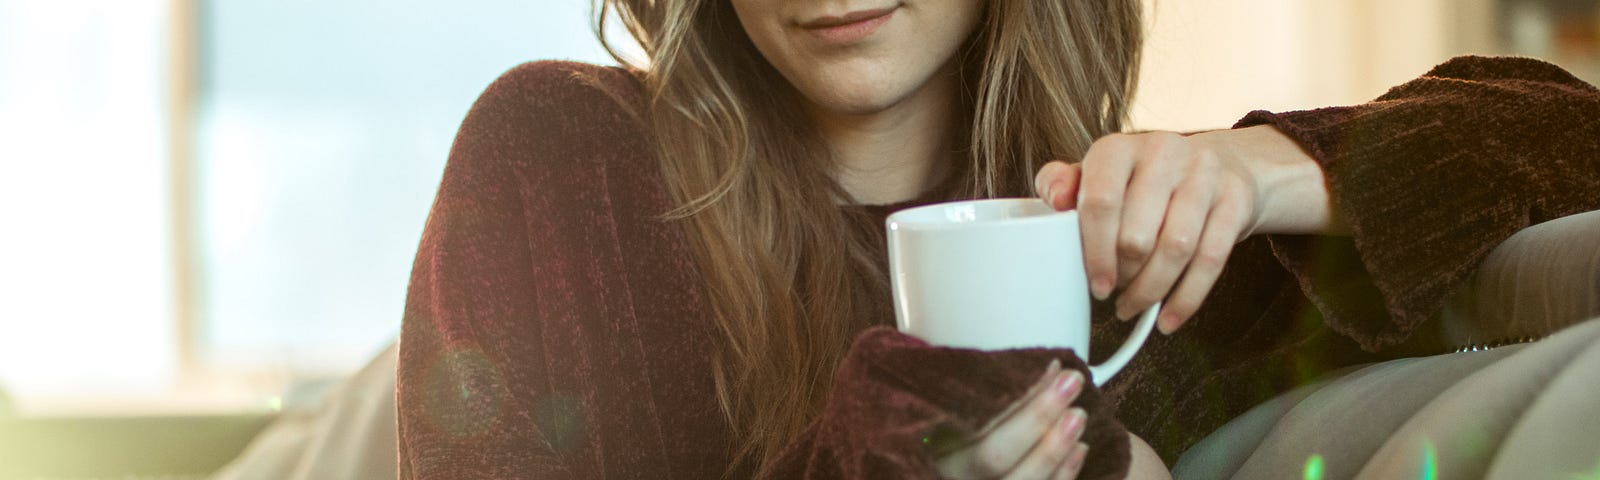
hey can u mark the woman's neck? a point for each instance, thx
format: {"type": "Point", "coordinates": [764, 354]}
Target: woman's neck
{"type": "Point", "coordinates": [897, 153]}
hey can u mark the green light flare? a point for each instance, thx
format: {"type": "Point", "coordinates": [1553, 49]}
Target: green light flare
{"type": "Point", "coordinates": [1430, 462]}
{"type": "Point", "coordinates": [1589, 475]}
{"type": "Point", "coordinates": [1314, 468]}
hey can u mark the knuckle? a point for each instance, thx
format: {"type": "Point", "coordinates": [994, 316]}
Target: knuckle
{"type": "Point", "coordinates": [1177, 247]}
{"type": "Point", "coordinates": [1210, 258]}
{"type": "Point", "coordinates": [1134, 245]}
{"type": "Point", "coordinates": [1100, 148]}
{"type": "Point", "coordinates": [1228, 211]}
{"type": "Point", "coordinates": [1205, 156]}
{"type": "Point", "coordinates": [1237, 189]}
{"type": "Point", "coordinates": [1115, 139]}
{"type": "Point", "coordinates": [1198, 180]}
{"type": "Point", "coordinates": [1165, 143]}
{"type": "Point", "coordinates": [1205, 165]}
{"type": "Point", "coordinates": [1048, 171]}
{"type": "Point", "coordinates": [1100, 202]}
{"type": "Point", "coordinates": [1209, 157]}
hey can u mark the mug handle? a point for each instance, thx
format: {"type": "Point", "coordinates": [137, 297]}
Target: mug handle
{"type": "Point", "coordinates": [1105, 370]}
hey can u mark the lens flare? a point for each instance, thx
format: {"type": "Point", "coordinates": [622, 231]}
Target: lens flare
{"type": "Point", "coordinates": [466, 393]}
{"type": "Point", "coordinates": [1589, 475]}
{"type": "Point", "coordinates": [1430, 462]}
{"type": "Point", "coordinates": [1314, 467]}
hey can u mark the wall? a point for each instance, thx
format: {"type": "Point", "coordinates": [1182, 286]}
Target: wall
{"type": "Point", "coordinates": [1209, 63]}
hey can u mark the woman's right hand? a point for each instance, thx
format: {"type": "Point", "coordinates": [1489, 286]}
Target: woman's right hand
{"type": "Point", "coordinates": [1036, 437]}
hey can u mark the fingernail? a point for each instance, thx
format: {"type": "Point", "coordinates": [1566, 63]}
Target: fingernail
{"type": "Point", "coordinates": [1167, 323]}
{"type": "Point", "coordinates": [1069, 383]}
{"type": "Point", "coordinates": [1075, 462]}
{"type": "Point", "coordinates": [1072, 424]}
{"type": "Point", "coordinates": [1051, 375]}
{"type": "Point", "coordinates": [1101, 287]}
{"type": "Point", "coordinates": [1045, 195]}
{"type": "Point", "coordinates": [1054, 188]}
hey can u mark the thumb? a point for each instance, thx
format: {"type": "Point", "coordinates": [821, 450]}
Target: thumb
{"type": "Point", "coordinates": [1057, 183]}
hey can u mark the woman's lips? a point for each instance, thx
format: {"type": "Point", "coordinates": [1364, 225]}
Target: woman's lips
{"type": "Point", "coordinates": [850, 28]}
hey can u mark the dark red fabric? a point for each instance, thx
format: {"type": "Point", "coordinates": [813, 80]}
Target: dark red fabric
{"type": "Point", "coordinates": [1501, 144]}
{"type": "Point", "coordinates": [556, 328]}
{"type": "Point", "coordinates": [1430, 177]}
{"type": "Point", "coordinates": [893, 391]}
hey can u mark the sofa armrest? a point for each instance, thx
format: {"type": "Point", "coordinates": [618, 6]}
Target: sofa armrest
{"type": "Point", "coordinates": [123, 447]}
{"type": "Point", "coordinates": [1543, 279]}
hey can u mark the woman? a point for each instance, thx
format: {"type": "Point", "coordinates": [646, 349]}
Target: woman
{"type": "Point", "coordinates": [657, 271]}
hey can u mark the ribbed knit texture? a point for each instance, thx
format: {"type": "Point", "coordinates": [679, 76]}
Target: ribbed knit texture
{"type": "Point", "coordinates": [556, 328]}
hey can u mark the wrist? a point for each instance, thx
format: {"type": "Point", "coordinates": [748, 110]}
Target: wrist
{"type": "Point", "coordinates": [1291, 192]}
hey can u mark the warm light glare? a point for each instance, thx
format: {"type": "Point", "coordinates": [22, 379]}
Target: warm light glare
{"type": "Point", "coordinates": [87, 287]}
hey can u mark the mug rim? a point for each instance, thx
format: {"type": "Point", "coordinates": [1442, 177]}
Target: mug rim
{"type": "Point", "coordinates": [898, 220]}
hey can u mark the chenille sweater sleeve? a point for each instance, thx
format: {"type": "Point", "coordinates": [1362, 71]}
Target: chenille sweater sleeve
{"type": "Point", "coordinates": [1430, 177]}
{"type": "Point", "coordinates": [471, 359]}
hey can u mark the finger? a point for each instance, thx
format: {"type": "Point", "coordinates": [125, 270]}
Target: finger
{"type": "Point", "coordinates": [1057, 185]}
{"type": "Point", "coordinates": [1074, 464]}
{"type": "Point", "coordinates": [1106, 169]}
{"type": "Point", "coordinates": [1052, 450]}
{"type": "Point", "coordinates": [1224, 223]}
{"type": "Point", "coordinates": [1175, 246]}
{"type": "Point", "coordinates": [998, 452]}
{"type": "Point", "coordinates": [1052, 373]}
{"type": "Point", "coordinates": [1159, 166]}
{"type": "Point", "coordinates": [939, 446]}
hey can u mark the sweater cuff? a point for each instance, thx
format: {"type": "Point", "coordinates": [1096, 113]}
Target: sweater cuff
{"type": "Point", "coordinates": [1432, 176]}
{"type": "Point", "coordinates": [894, 395]}
{"type": "Point", "coordinates": [1399, 264]}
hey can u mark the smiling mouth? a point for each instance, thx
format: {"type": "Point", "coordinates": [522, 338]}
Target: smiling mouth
{"type": "Point", "coordinates": [849, 28]}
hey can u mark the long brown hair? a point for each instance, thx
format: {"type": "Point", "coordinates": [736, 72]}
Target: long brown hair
{"type": "Point", "coordinates": [784, 268]}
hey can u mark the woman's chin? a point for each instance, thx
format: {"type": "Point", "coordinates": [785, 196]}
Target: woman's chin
{"type": "Point", "coordinates": [864, 89]}
{"type": "Point", "coordinates": [856, 102]}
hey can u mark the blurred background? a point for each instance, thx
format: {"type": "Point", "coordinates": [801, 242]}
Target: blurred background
{"type": "Point", "coordinates": [208, 208]}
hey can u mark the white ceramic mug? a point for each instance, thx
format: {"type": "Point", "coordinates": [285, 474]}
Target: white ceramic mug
{"type": "Point", "coordinates": [997, 274]}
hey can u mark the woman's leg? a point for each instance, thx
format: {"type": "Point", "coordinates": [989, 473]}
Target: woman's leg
{"type": "Point", "coordinates": [1146, 464]}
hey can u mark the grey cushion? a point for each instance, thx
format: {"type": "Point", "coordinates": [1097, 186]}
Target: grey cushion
{"type": "Point", "coordinates": [1521, 411]}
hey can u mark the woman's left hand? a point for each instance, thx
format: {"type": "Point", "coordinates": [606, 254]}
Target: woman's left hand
{"type": "Point", "coordinates": [1160, 212]}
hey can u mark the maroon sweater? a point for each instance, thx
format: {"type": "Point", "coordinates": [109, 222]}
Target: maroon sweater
{"type": "Point", "coordinates": [556, 329]}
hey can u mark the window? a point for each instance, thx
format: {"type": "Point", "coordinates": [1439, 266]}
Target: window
{"type": "Point", "coordinates": [87, 291]}
{"type": "Point", "coordinates": [322, 130]}
{"type": "Point", "coordinates": [191, 244]}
